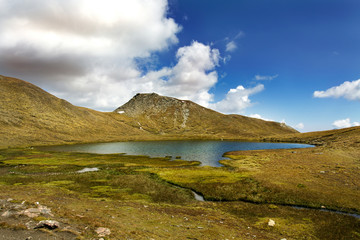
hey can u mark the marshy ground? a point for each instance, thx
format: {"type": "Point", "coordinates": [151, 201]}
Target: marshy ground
{"type": "Point", "coordinates": [137, 197]}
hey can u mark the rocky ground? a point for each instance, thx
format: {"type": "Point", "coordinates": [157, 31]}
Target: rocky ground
{"type": "Point", "coordinates": [34, 221]}
{"type": "Point", "coordinates": [24, 220]}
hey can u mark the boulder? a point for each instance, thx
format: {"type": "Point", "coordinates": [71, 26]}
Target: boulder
{"type": "Point", "coordinates": [49, 224]}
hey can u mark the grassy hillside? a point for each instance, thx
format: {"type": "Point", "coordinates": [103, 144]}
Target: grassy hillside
{"type": "Point", "coordinates": [31, 116]}
{"type": "Point", "coordinates": [337, 138]}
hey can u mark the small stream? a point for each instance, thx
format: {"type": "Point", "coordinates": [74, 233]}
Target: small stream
{"type": "Point", "coordinates": [329, 210]}
{"type": "Point", "coordinates": [200, 198]}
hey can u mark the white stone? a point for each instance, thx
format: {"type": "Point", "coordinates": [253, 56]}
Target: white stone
{"type": "Point", "coordinates": [271, 223]}
{"type": "Point", "coordinates": [84, 170]}
{"type": "Point", "coordinates": [102, 232]}
{"type": "Point", "coordinates": [6, 214]}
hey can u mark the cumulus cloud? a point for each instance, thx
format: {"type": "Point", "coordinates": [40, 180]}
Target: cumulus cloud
{"type": "Point", "coordinates": [191, 78]}
{"type": "Point", "coordinates": [89, 52]}
{"type": "Point", "coordinates": [345, 123]}
{"type": "Point", "coordinates": [348, 90]}
{"type": "Point", "coordinates": [265, 77]}
{"type": "Point", "coordinates": [83, 50]}
{"type": "Point", "coordinates": [237, 99]}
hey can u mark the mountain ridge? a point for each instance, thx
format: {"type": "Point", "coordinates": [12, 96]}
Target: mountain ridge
{"type": "Point", "coordinates": [31, 116]}
{"type": "Point", "coordinates": [170, 115]}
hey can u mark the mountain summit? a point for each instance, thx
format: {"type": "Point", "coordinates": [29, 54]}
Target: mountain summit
{"type": "Point", "coordinates": [167, 115]}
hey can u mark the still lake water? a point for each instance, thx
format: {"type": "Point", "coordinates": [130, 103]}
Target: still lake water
{"type": "Point", "coordinates": [207, 152]}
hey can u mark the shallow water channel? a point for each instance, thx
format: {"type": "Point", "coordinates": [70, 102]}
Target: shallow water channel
{"type": "Point", "coordinates": [207, 152]}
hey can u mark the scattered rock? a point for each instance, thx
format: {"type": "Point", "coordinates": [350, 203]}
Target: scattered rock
{"type": "Point", "coordinates": [49, 224]}
{"type": "Point", "coordinates": [45, 210]}
{"type": "Point", "coordinates": [7, 214]}
{"type": "Point", "coordinates": [271, 223]}
{"type": "Point", "coordinates": [31, 212]}
{"type": "Point", "coordinates": [102, 232]}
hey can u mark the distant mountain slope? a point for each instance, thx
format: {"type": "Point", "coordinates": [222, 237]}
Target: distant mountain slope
{"type": "Point", "coordinates": [166, 115]}
{"type": "Point", "coordinates": [345, 137]}
{"type": "Point", "coordinates": [30, 116]}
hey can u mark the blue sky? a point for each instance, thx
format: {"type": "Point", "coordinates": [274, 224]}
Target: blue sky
{"type": "Point", "coordinates": [308, 45]}
{"type": "Point", "coordinates": [291, 61]}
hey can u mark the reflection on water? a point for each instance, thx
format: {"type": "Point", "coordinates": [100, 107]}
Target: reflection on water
{"type": "Point", "coordinates": [207, 152]}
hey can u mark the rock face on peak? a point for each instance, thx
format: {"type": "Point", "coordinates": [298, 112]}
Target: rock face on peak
{"type": "Point", "coordinates": [166, 115]}
{"type": "Point", "coordinates": [151, 103]}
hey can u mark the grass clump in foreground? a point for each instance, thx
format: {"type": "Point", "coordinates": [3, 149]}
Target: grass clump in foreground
{"type": "Point", "coordinates": [138, 197]}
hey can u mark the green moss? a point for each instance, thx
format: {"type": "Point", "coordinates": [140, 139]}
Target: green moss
{"type": "Point", "coordinates": [40, 218]}
{"type": "Point", "coordinates": [199, 175]}
{"type": "Point", "coordinates": [60, 183]}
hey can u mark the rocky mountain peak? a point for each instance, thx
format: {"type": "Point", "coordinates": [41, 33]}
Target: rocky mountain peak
{"type": "Point", "coordinates": [143, 103]}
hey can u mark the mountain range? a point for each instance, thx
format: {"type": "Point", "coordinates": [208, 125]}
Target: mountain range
{"type": "Point", "coordinates": [32, 116]}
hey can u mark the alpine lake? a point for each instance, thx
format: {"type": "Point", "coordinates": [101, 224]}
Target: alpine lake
{"type": "Point", "coordinates": [207, 152]}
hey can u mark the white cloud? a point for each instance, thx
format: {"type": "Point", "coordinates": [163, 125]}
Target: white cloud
{"type": "Point", "coordinates": [83, 49]}
{"type": "Point", "coordinates": [267, 77]}
{"type": "Point", "coordinates": [345, 123]}
{"type": "Point", "coordinates": [348, 90]}
{"type": "Point", "coordinates": [231, 46]}
{"type": "Point", "coordinates": [299, 126]}
{"type": "Point", "coordinates": [259, 117]}
{"type": "Point", "coordinates": [236, 100]}
{"type": "Point", "coordinates": [191, 78]}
